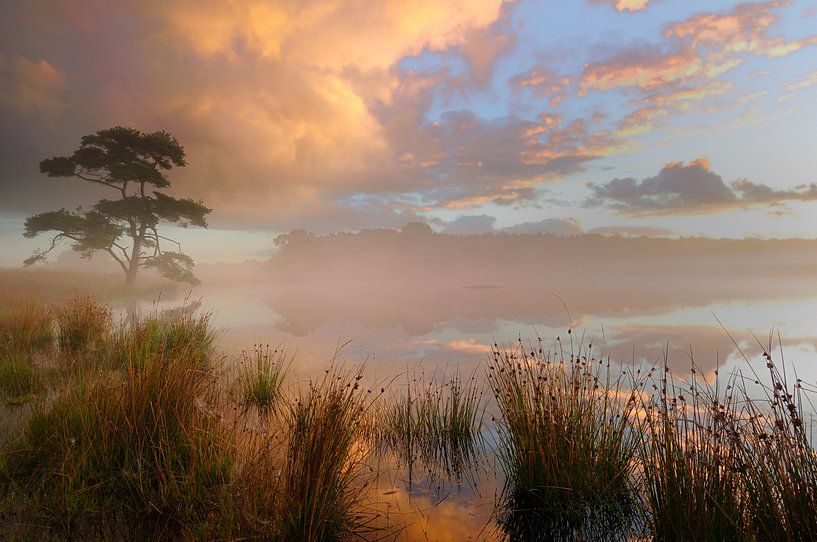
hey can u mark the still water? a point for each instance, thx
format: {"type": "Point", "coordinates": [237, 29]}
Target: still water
{"type": "Point", "coordinates": [441, 328]}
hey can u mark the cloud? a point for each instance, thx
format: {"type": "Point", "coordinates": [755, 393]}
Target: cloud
{"type": "Point", "coordinates": [632, 231]}
{"type": "Point", "coordinates": [745, 29]}
{"type": "Point", "coordinates": [479, 224]}
{"type": "Point", "coordinates": [543, 82]}
{"type": "Point", "coordinates": [698, 48]}
{"type": "Point", "coordinates": [624, 5]}
{"type": "Point", "coordinates": [688, 189]}
{"type": "Point", "coordinates": [33, 88]}
{"type": "Point", "coordinates": [809, 81]}
{"type": "Point", "coordinates": [481, 48]}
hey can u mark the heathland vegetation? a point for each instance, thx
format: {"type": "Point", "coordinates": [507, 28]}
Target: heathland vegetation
{"type": "Point", "coordinates": [141, 428]}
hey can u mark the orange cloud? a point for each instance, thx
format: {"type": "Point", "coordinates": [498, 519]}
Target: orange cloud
{"type": "Point", "coordinates": [33, 88]}
{"type": "Point", "coordinates": [743, 30]}
{"type": "Point", "coordinates": [705, 46]}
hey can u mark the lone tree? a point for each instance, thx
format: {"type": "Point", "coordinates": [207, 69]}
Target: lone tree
{"type": "Point", "coordinates": [133, 165]}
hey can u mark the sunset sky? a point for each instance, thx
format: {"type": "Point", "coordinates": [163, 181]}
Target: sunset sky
{"type": "Point", "coordinates": [655, 117]}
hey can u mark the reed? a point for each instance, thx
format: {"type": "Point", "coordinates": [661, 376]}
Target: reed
{"type": "Point", "coordinates": [565, 445]}
{"type": "Point", "coordinates": [690, 461]}
{"type": "Point", "coordinates": [137, 449]}
{"type": "Point", "coordinates": [779, 459]}
{"type": "Point", "coordinates": [260, 378]}
{"type": "Point", "coordinates": [26, 327]}
{"type": "Point", "coordinates": [82, 325]}
{"type": "Point", "coordinates": [438, 422]}
{"type": "Point", "coordinates": [322, 478]}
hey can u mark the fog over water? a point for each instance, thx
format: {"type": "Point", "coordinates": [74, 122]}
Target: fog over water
{"type": "Point", "coordinates": [397, 298]}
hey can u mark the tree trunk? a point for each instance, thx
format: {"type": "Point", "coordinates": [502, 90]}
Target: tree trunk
{"type": "Point", "coordinates": [130, 278]}
{"type": "Point", "coordinates": [133, 267]}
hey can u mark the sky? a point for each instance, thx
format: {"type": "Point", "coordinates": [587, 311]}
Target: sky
{"type": "Point", "coordinates": [640, 117]}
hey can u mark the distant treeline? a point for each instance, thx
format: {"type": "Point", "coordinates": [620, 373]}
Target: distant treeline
{"type": "Point", "coordinates": [417, 253]}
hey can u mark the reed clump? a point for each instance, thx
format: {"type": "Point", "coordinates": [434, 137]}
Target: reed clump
{"type": "Point", "coordinates": [778, 458]}
{"type": "Point", "coordinates": [26, 333]}
{"type": "Point", "coordinates": [83, 325]}
{"type": "Point", "coordinates": [438, 422]}
{"type": "Point", "coordinates": [322, 478]}
{"type": "Point", "coordinates": [691, 435]}
{"type": "Point", "coordinates": [565, 445]}
{"type": "Point", "coordinates": [183, 332]}
{"type": "Point", "coordinates": [260, 377]}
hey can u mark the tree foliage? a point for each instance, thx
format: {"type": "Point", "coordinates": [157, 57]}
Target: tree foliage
{"type": "Point", "coordinates": [133, 165]}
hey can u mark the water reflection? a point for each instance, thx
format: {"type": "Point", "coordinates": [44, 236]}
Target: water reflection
{"type": "Point", "coordinates": [634, 313]}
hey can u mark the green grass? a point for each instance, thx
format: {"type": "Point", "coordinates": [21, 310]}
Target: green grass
{"type": "Point", "coordinates": [180, 333]}
{"type": "Point", "coordinates": [437, 423]}
{"type": "Point", "coordinates": [565, 445]}
{"type": "Point", "coordinates": [260, 378]}
{"type": "Point", "coordinates": [148, 435]}
{"type": "Point", "coordinates": [136, 445]}
{"type": "Point", "coordinates": [20, 379]}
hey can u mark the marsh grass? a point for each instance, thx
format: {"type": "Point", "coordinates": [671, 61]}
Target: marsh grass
{"type": "Point", "coordinates": [26, 327]}
{"type": "Point", "coordinates": [778, 458]}
{"type": "Point", "coordinates": [689, 455]}
{"type": "Point", "coordinates": [83, 325]}
{"type": "Point", "coordinates": [20, 379]}
{"type": "Point", "coordinates": [323, 480]}
{"type": "Point", "coordinates": [136, 448]}
{"type": "Point", "coordinates": [26, 331]}
{"type": "Point", "coordinates": [438, 423]}
{"type": "Point", "coordinates": [183, 332]}
{"type": "Point", "coordinates": [139, 439]}
{"type": "Point", "coordinates": [565, 445]}
{"type": "Point", "coordinates": [260, 377]}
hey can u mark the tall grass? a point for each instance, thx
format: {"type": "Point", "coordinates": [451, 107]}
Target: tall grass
{"type": "Point", "coordinates": [322, 480]}
{"type": "Point", "coordinates": [260, 378]}
{"type": "Point", "coordinates": [140, 441]}
{"type": "Point", "coordinates": [27, 326]}
{"type": "Point", "coordinates": [180, 333]}
{"type": "Point", "coordinates": [83, 325]}
{"type": "Point", "coordinates": [438, 422]}
{"type": "Point", "coordinates": [25, 331]}
{"type": "Point", "coordinates": [565, 445]}
{"type": "Point", "coordinates": [138, 447]}
{"type": "Point", "coordinates": [779, 460]}
{"type": "Point", "coordinates": [690, 439]}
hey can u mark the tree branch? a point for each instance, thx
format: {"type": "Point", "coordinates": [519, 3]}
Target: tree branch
{"type": "Point", "coordinates": [119, 261]}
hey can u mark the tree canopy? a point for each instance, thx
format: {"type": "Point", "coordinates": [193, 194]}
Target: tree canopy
{"type": "Point", "coordinates": [133, 165]}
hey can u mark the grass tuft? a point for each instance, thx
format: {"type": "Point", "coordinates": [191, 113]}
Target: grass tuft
{"type": "Point", "coordinates": [322, 480]}
{"type": "Point", "coordinates": [438, 423]}
{"type": "Point", "coordinates": [260, 376]}
{"type": "Point", "coordinates": [26, 327]}
{"type": "Point", "coordinates": [83, 325]}
{"type": "Point", "coordinates": [565, 445]}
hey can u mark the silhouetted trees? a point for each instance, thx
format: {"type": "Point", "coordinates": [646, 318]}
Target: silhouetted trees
{"type": "Point", "coordinates": [131, 164]}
